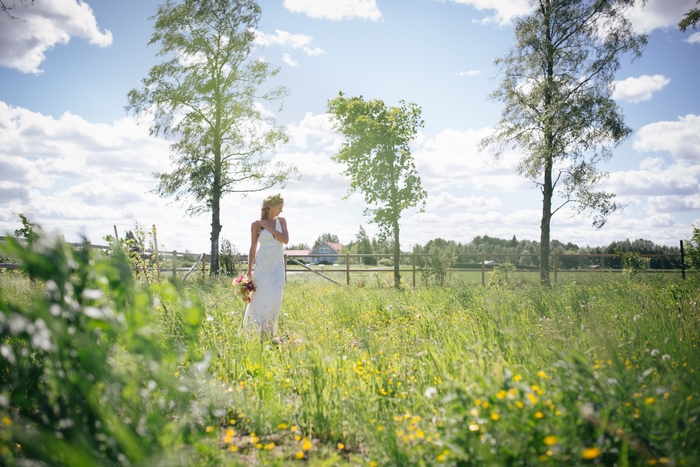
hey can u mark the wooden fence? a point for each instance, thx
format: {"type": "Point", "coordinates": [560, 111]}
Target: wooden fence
{"type": "Point", "coordinates": [412, 264]}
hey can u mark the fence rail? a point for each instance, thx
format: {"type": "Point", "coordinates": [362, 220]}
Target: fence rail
{"type": "Point", "coordinates": [413, 263]}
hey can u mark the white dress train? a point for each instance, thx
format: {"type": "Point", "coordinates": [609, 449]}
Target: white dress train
{"type": "Point", "coordinates": [268, 274]}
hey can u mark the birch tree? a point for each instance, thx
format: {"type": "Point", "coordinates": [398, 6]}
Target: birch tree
{"type": "Point", "coordinates": [557, 86]}
{"type": "Point", "coordinates": [205, 96]}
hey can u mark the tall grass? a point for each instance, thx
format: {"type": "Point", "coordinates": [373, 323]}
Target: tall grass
{"type": "Point", "coordinates": [595, 370]}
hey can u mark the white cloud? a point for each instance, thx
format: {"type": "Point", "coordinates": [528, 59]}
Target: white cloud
{"type": "Point", "coordinates": [315, 130]}
{"type": "Point", "coordinates": [452, 158]}
{"type": "Point", "coordinates": [448, 202]}
{"type": "Point", "coordinates": [468, 73]}
{"type": "Point", "coordinates": [286, 58]}
{"type": "Point", "coordinates": [639, 89]}
{"type": "Point", "coordinates": [42, 26]}
{"type": "Point", "coordinates": [659, 14]}
{"type": "Point", "coordinates": [336, 9]}
{"type": "Point", "coordinates": [680, 138]}
{"type": "Point", "coordinates": [506, 10]}
{"type": "Point", "coordinates": [286, 39]}
{"type": "Point", "coordinates": [653, 180]}
{"type": "Point", "coordinates": [694, 38]}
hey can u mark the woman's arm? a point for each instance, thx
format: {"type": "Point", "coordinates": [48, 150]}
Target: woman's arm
{"type": "Point", "coordinates": [254, 233]}
{"type": "Point", "coordinates": [279, 236]}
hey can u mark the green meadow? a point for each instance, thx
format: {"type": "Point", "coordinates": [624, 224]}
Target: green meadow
{"type": "Point", "coordinates": [595, 370]}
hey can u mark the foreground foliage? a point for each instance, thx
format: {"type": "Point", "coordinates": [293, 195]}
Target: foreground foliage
{"type": "Point", "coordinates": [591, 372]}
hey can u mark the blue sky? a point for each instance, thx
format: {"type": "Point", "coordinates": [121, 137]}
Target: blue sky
{"type": "Point", "coordinates": [72, 160]}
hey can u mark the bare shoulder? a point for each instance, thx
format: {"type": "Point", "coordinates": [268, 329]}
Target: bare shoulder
{"type": "Point", "coordinates": [282, 220]}
{"type": "Point", "coordinates": [255, 225]}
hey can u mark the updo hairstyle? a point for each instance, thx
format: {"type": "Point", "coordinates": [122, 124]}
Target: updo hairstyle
{"type": "Point", "coordinates": [270, 202]}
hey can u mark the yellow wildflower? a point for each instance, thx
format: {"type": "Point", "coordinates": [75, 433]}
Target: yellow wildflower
{"type": "Point", "coordinates": [590, 453]}
{"type": "Point", "coordinates": [550, 440]}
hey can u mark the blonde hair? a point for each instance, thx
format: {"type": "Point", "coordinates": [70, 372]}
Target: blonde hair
{"type": "Point", "coordinates": [270, 202]}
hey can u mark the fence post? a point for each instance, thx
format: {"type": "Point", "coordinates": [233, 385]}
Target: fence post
{"type": "Point", "coordinates": [347, 268]}
{"type": "Point", "coordinates": [174, 264]}
{"type": "Point", "coordinates": [413, 256]}
{"type": "Point", "coordinates": [682, 261]}
{"type": "Point", "coordinates": [483, 269]}
{"type": "Point", "coordinates": [204, 265]}
{"type": "Point", "coordinates": [155, 247]}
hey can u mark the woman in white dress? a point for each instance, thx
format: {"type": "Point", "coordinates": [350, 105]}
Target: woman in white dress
{"type": "Point", "coordinates": [268, 237]}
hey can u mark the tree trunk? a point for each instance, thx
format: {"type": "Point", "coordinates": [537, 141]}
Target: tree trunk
{"type": "Point", "coordinates": [397, 257]}
{"type": "Point", "coordinates": [547, 188]}
{"type": "Point", "coordinates": [545, 224]}
{"type": "Point", "coordinates": [215, 231]}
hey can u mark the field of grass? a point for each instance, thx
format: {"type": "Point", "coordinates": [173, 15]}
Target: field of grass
{"type": "Point", "coordinates": [597, 370]}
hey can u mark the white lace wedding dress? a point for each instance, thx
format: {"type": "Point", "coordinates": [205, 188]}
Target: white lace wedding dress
{"type": "Point", "coordinates": [268, 274]}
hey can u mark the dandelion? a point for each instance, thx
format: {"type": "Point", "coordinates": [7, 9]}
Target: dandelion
{"type": "Point", "coordinates": [282, 426]}
{"type": "Point", "coordinates": [539, 414]}
{"type": "Point", "coordinates": [655, 353]}
{"type": "Point", "coordinates": [495, 416]}
{"type": "Point", "coordinates": [590, 453]}
{"type": "Point", "coordinates": [649, 400]}
{"type": "Point", "coordinates": [519, 404]}
{"type": "Point", "coordinates": [306, 445]}
{"type": "Point", "coordinates": [341, 446]}
{"type": "Point", "coordinates": [550, 440]}
{"type": "Point", "coordinates": [209, 429]}
{"type": "Point", "coordinates": [299, 455]}
{"type": "Point", "coordinates": [233, 448]}
{"type": "Point", "coordinates": [430, 392]}
{"type": "Point", "coordinates": [473, 427]}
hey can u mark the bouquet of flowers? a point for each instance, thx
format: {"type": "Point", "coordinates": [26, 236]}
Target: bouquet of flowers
{"type": "Point", "coordinates": [243, 286]}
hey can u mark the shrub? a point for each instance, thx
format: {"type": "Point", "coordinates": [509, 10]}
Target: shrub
{"type": "Point", "coordinates": [85, 379]}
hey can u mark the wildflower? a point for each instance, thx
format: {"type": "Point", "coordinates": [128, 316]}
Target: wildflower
{"type": "Point", "coordinates": [665, 357]}
{"type": "Point", "coordinates": [473, 427]}
{"type": "Point", "coordinates": [539, 414]}
{"type": "Point", "coordinates": [306, 444]}
{"type": "Point", "coordinates": [341, 446]}
{"type": "Point", "coordinates": [655, 353]}
{"type": "Point", "coordinates": [430, 392]}
{"type": "Point", "coordinates": [269, 446]}
{"type": "Point", "coordinates": [373, 464]}
{"type": "Point", "coordinates": [495, 416]}
{"type": "Point", "coordinates": [282, 426]}
{"type": "Point", "coordinates": [209, 429]}
{"type": "Point", "coordinates": [519, 404]}
{"type": "Point", "coordinates": [299, 455]}
{"type": "Point", "coordinates": [233, 448]}
{"type": "Point", "coordinates": [517, 378]}
{"type": "Point", "coordinates": [501, 394]}
{"type": "Point", "coordinates": [542, 374]}
{"type": "Point", "coordinates": [649, 400]}
{"type": "Point", "coordinates": [550, 440]}
{"type": "Point", "coordinates": [590, 453]}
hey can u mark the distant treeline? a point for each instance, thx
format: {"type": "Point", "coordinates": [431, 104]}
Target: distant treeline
{"type": "Point", "coordinates": [468, 255]}
{"type": "Point", "coordinates": [490, 246]}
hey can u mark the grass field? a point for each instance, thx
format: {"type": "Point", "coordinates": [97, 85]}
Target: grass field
{"type": "Point", "coordinates": [597, 370]}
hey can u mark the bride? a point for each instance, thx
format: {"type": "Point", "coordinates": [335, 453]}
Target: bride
{"type": "Point", "coordinates": [270, 232]}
